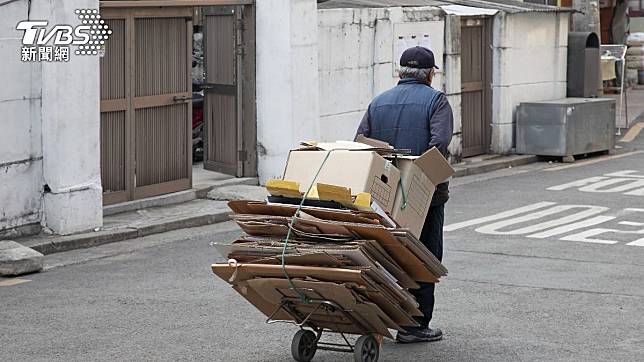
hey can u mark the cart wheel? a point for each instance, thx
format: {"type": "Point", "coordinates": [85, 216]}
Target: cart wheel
{"type": "Point", "coordinates": [366, 349]}
{"type": "Point", "coordinates": [304, 345]}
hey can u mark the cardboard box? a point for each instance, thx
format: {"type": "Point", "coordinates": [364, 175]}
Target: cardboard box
{"type": "Point", "coordinates": [419, 176]}
{"type": "Point", "coordinates": [362, 170]}
{"type": "Point", "coordinates": [403, 189]}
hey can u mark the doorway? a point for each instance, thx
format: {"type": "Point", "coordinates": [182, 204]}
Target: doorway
{"type": "Point", "coordinates": [146, 103]}
{"type": "Point", "coordinates": [476, 74]}
{"type": "Point", "coordinates": [230, 135]}
{"type": "Point", "coordinates": [148, 94]}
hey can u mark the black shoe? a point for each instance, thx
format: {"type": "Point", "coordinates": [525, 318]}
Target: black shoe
{"type": "Point", "coordinates": [419, 334]}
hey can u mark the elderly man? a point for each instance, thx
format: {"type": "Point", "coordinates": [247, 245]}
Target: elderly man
{"type": "Point", "coordinates": [415, 116]}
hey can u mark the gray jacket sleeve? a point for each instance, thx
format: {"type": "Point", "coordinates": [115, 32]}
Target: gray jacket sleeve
{"type": "Point", "coordinates": [364, 127]}
{"type": "Point", "coordinates": [441, 125]}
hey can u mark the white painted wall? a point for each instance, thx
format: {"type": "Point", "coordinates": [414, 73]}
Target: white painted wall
{"type": "Point", "coordinates": [529, 64]}
{"type": "Point", "coordinates": [20, 132]}
{"type": "Point", "coordinates": [287, 80]}
{"type": "Point", "coordinates": [50, 129]}
{"type": "Point", "coordinates": [357, 58]}
{"type": "Point", "coordinates": [637, 25]}
{"type": "Point", "coordinates": [356, 61]}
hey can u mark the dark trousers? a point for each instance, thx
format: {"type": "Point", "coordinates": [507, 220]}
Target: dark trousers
{"type": "Point", "coordinates": [432, 238]}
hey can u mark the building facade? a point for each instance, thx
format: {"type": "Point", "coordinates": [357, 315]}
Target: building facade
{"type": "Point", "coordinates": [49, 137]}
{"type": "Point", "coordinates": [492, 57]}
{"type": "Point", "coordinates": [81, 133]}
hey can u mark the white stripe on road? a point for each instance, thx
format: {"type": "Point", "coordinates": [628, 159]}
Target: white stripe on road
{"type": "Point", "coordinates": [631, 223]}
{"type": "Point", "coordinates": [597, 187]}
{"type": "Point", "coordinates": [578, 183]}
{"type": "Point", "coordinates": [572, 227]}
{"type": "Point", "coordinates": [625, 173]}
{"type": "Point", "coordinates": [638, 192]}
{"type": "Point", "coordinates": [501, 215]}
{"type": "Point", "coordinates": [639, 242]}
{"type": "Point", "coordinates": [493, 229]}
{"type": "Point", "coordinates": [584, 236]}
{"type": "Point", "coordinates": [634, 209]}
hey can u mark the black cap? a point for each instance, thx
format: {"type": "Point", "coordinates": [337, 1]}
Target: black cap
{"type": "Point", "coordinates": [418, 57]}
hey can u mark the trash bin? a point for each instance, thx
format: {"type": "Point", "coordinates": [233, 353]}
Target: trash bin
{"type": "Point", "coordinates": [583, 64]}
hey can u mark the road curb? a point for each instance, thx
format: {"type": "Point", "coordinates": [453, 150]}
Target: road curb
{"type": "Point", "coordinates": [57, 244]}
{"type": "Point", "coordinates": [493, 165]}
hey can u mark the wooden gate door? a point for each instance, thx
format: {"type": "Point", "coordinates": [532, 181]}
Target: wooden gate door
{"type": "Point", "coordinates": [146, 103]}
{"type": "Point", "coordinates": [116, 143]}
{"type": "Point", "coordinates": [476, 64]}
{"type": "Point", "coordinates": [223, 50]}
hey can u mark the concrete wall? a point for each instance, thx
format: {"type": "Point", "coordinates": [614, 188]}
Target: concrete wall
{"type": "Point", "coordinates": [529, 64]}
{"type": "Point", "coordinates": [637, 25]}
{"type": "Point", "coordinates": [587, 18]}
{"type": "Point", "coordinates": [287, 80]}
{"type": "Point", "coordinates": [330, 72]}
{"type": "Point", "coordinates": [20, 135]}
{"type": "Point", "coordinates": [357, 57]}
{"type": "Point", "coordinates": [50, 129]}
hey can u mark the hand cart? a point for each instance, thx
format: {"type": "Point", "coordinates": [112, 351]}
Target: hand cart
{"type": "Point", "coordinates": [307, 341]}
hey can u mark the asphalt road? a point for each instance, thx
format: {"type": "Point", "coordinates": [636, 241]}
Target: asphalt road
{"type": "Point", "coordinates": [538, 283]}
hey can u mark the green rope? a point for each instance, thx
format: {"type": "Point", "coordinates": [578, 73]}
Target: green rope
{"type": "Point", "coordinates": [404, 193]}
{"type": "Point", "coordinates": [303, 297]}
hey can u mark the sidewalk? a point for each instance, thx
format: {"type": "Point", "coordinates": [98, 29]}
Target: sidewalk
{"type": "Point", "coordinates": [488, 163]}
{"type": "Point", "coordinates": [134, 224]}
{"type": "Point", "coordinates": [203, 182]}
{"type": "Point", "coordinates": [635, 106]}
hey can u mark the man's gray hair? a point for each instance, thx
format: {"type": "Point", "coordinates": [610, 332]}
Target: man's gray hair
{"type": "Point", "coordinates": [416, 73]}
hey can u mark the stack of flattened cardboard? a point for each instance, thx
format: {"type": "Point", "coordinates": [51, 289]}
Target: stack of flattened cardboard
{"type": "Point", "coordinates": [348, 257]}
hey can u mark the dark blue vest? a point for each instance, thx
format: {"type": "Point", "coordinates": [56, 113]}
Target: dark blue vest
{"type": "Point", "coordinates": [400, 116]}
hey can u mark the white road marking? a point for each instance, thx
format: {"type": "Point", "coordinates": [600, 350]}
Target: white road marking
{"type": "Point", "coordinates": [631, 223]}
{"type": "Point", "coordinates": [628, 182]}
{"type": "Point", "coordinates": [559, 225]}
{"type": "Point", "coordinates": [598, 186]}
{"type": "Point", "coordinates": [638, 192]}
{"type": "Point", "coordinates": [572, 227]}
{"type": "Point", "coordinates": [494, 228]}
{"type": "Point", "coordinates": [578, 183]}
{"type": "Point", "coordinates": [501, 215]}
{"type": "Point", "coordinates": [584, 236]}
{"type": "Point", "coordinates": [625, 173]}
{"type": "Point", "coordinates": [639, 242]}
{"type": "Point", "coordinates": [633, 209]}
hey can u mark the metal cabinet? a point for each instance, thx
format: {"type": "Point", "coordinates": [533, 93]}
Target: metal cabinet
{"type": "Point", "coordinates": [566, 127]}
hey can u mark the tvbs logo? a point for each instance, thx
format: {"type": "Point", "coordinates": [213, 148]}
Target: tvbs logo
{"type": "Point", "coordinates": [44, 43]}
